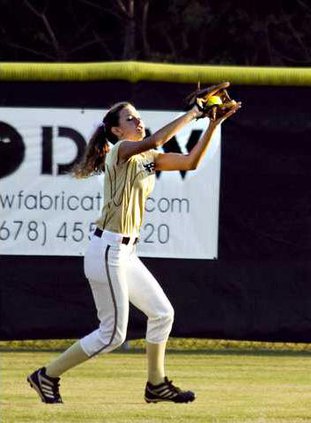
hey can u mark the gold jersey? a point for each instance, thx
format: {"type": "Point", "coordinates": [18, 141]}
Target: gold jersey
{"type": "Point", "coordinates": [126, 188]}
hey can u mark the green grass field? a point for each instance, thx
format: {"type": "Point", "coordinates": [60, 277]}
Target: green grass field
{"type": "Point", "coordinates": [231, 386]}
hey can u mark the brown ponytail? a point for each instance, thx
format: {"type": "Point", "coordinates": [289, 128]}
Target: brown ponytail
{"type": "Point", "coordinates": [93, 160]}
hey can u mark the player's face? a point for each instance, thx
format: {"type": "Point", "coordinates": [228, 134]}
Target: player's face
{"type": "Point", "coordinates": [131, 127]}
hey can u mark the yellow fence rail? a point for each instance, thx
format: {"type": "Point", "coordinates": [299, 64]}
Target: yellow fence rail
{"type": "Point", "coordinates": [142, 71]}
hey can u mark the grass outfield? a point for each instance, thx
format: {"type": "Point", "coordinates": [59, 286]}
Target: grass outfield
{"type": "Point", "coordinates": [257, 387]}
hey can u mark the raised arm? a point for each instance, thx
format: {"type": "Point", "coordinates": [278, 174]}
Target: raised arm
{"type": "Point", "coordinates": [129, 148]}
{"type": "Point", "coordinates": [176, 161]}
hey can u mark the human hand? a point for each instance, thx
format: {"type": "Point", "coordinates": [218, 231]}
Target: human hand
{"type": "Point", "coordinates": [196, 111]}
{"type": "Point", "coordinates": [200, 98]}
{"type": "Point", "coordinates": [217, 120]}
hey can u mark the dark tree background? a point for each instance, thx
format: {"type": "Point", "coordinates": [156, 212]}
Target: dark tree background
{"type": "Point", "coordinates": [239, 32]}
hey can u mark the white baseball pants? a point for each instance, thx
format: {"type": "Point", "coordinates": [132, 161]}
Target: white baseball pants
{"type": "Point", "coordinates": [117, 276]}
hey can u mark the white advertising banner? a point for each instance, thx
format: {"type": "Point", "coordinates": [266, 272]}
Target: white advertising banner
{"type": "Point", "coordinates": [45, 211]}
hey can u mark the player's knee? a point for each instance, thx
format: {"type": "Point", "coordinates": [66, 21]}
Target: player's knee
{"type": "Point", "coordinates": [169, 314]}
{"type": "Point", "coordinates": [160, 325]}
{"type": "Point", "coordinates": [165, 317]}
{"type": "Point", "coordinates": [113, 340]}
{"type": "Point", "coordinates": [118, 339]}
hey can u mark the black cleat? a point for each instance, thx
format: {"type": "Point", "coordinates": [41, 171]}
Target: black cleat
{"type": "Point", "coordinates": [46, 386]}
{"type": "Point", "coordinates": [166, 391]}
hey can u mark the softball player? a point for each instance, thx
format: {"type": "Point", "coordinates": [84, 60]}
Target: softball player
{"type": "Point", "coordinates": [115, 273]}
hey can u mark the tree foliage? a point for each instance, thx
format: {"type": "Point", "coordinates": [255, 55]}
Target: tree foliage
{"type": "Point", "coordinates": [179, 31]}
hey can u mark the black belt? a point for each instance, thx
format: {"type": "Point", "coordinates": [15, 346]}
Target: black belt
{"type": "Point", "coordinates": [125, 240]}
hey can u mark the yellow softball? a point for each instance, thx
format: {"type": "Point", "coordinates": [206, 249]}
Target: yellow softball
{"type": "Point", "coordinates": [214, 100]}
